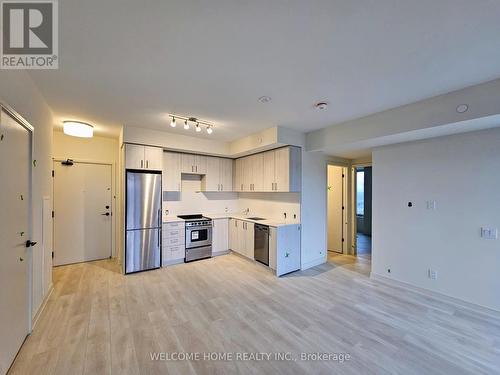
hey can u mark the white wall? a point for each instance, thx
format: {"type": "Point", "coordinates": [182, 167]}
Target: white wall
{"type": "Point", "coordinates": [95, 149]}
{"type": "Point", "coordinates": [271, 205]}
{"type": "Point", "coordinates": [18, 91]}
{"type": "Point", "coordinates": [313, 209]}
{"type": "Point", "coordinates": [192, 201]}
{"type": "Point", "coordinates": [461, 173]}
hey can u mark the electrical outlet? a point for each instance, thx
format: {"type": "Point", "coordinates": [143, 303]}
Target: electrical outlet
{"type": "Point", "coordinates": [432, 274]}
{"type": "Point", "coordinates": [431, 205]}
{"type": "Point", "coordinates": [489, 233]}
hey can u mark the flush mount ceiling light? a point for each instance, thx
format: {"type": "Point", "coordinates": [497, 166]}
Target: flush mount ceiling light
{"type": "Point", "coordinates": [265, 99]}
{"type": "Point", "coordinates": [462, 108]}
{"type": "Point", "coordinates": [321, 105]}
{"type": "Point", "coordinates": [78, 129]}
{"type": "Point", "coordinates": [198, 124]}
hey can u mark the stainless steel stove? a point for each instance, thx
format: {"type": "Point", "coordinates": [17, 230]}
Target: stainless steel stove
{"type": "Point", "coordinates": [198, 237]}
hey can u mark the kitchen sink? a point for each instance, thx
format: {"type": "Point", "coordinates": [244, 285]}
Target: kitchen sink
{"type": "Point", "coordinates": [255, 218]}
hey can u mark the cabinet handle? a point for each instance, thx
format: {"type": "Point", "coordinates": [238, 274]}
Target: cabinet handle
{"type": "Point", "coordinates": [142, 162]}
{"type": "Point", "coordinates": [196, 168]}
{"type": "Point", "coordinates": [241, 187]}
{"type": "Point", "coordinates": [147, 163]}
{"type": "Point", "coordinates": [221, 187]}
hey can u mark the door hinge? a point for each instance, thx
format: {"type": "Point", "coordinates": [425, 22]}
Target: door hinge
{"type": "Point", "coordinates": [52, 255]}
{"type": "Point", "coordinates": [342, 240]}
{"type": "Point", "coordinates": [343, 175]}
{"type": "Point", "coordinates": [52, 214]}
{"type": "Point", "coordinates": [343, 208]}
{"type": "Point", "coordinates": [52, 173]}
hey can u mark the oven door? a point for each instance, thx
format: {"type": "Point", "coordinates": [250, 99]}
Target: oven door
{"type": "Point", "coordinates": [198, 236]}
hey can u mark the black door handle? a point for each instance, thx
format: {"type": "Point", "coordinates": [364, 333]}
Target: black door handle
{"type": "Point", "coordinates": [106, 214]}
{"type": "Point", "coordinates": [30, 243]}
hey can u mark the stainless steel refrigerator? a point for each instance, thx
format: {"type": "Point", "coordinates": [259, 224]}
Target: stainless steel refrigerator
{"type": "Point", "coordinates": [143, 221]}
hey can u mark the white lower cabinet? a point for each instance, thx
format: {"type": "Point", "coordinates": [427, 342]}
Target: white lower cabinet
{"type": "Point", "coordinates": [220, 236]}
{"type": "Point", "coordinates": [173, 243]}
{"type": "Point", "coordinates": [284, 249]}
{"type": "Point", "coordinates": [241, 237]}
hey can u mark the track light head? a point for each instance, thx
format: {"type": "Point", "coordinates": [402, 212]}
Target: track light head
{"type": "Point", "coordinates": [172, 123]}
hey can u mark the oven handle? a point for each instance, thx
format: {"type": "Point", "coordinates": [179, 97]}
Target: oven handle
{"type": "Point", "coordinates": [200, 227]}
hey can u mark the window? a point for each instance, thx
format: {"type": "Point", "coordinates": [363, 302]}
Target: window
{"type": "Point", "coordinates": [360, 192]}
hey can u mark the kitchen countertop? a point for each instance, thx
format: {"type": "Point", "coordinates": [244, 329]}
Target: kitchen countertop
{"type": "Point", "coordinates": [239, 216]}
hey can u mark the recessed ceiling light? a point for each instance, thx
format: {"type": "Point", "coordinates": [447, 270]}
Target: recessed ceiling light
{"type": "Point", "coordinates": [198, 129]}
{"type": "Point", "coordinates": [78, 129]}
{"type": "Point", "coordinates": [321, 105]}
{"type": "Point", "coordinates": [462, 108]}
{"type": "Point", "coordinates": [265, 99]}
{"type": "Point", "coordinates": [173, 124]}
{"type": "Point", "coordinates": [186, 125]}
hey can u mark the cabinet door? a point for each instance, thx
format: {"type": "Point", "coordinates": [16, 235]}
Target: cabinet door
{"type": "Point", "coordinates": [282, 169]}
{"type": "Point", "coordinates": [233, 235]}
{"type": "Point", "coordinates": [226, 174]}
{"type": "Point", "coordinates": [258, 172]}
{"type": "Point", "coordinates": [134, 157]}
{"type": "Point", "coordinates": [153, 157]}
{"type": "Point", "coordinates": [238, 175]}
{"type": "Point", "coordinates": [247, 173]}
{"type": "Point", "coordinates": [249, 239]}
{"type": "Point", "coordinates": [187, 163]}
{"type": "Point", "coordinates": [200, 164]}
{"type": "Point", "coordinates": [220, 235]}
{"type": "Point", "coordinates": [211, 181]}
{"type": "Point", "coordinates": [269, 168]}
{"type": "Point", "coordinates": [241, 238]}
{"type": "Point", "coordinates": [171, 179]}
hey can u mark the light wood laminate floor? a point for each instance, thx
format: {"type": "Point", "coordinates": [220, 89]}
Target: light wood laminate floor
{"type": "Point", "coordinates": [98, 321]}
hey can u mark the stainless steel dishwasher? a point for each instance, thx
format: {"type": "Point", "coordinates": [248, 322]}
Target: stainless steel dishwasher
{"type": "Point", "coordinates": [261, 243]}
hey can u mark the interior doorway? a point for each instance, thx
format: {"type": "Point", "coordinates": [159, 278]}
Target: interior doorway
{"type": "Point", "coordinates": [15, 234]}
{"type": "Point", "coordinates": [82, 212]}
{"type": "Point", "coordinates": [363, 205]}
{"type": "Point", "coordinates": [337, 209]}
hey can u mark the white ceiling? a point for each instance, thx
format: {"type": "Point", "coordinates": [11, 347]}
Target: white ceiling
{"type": "Point", "coordinates": [129, 62]}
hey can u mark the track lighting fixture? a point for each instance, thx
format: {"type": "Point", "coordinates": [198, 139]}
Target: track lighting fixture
{"type": "Point", "coordinates": [198, 123]}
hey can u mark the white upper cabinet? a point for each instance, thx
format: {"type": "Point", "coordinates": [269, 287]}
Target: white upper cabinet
{"type": "Point", "coordinates": [194, 164]}
{"type": "Point", "coordinates": [211, 180]}
{"type": "Point", "coordinates": [272, 171]}
{"type": "Point", "coordinates": [171, 179]}
{"type": "Point", "coordinates": [226, 174]}
{"type": "Point", "coordinates": [143, 157]}
{"type": "Point", "coordinates": [238, 175]}
{"type": "Point", "coordinates": [219, 175]}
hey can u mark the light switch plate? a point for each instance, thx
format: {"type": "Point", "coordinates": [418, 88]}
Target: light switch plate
{"type": "Point", "coordinates": [489, 233]}
{"type": "Point", "coordinates": [431, 205]}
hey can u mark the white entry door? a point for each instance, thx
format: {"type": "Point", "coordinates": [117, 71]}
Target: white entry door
{"type": "Point", "coordinates": [15, 200]}
{"type": "Point", "coordinates": [82, 212]}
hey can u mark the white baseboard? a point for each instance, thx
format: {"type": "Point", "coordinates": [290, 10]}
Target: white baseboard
{"type": "Point", "coordinates": [172, 262]}
{"type": "Point", "coordinates": [437, 295]}
{"type": "Point", "coordinates": [216, 254]}
{"type": "Point", "coordinates": [312, 263]}
{"type": "Point", "coordinates": [42, 307]}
